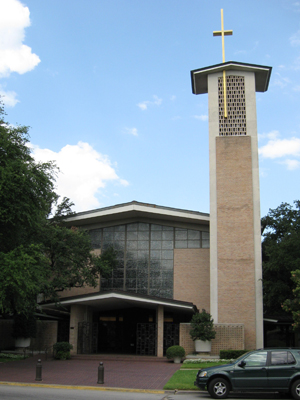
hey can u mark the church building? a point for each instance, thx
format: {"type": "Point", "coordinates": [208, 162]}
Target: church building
{"type": "Point", "coordinates": [173, 262]}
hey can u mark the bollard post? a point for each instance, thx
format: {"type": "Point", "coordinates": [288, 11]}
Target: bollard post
{"type": "Point", "coordinates": [101, 373]}
{"type": "Point", "coordinates": [38, 375]}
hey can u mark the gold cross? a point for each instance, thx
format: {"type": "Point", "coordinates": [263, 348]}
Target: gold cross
{"type": "Point", "coordinates": [223, 33]}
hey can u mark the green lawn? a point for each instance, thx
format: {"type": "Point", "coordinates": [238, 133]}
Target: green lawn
{"type": "Point", "coordinates": [184, 378]}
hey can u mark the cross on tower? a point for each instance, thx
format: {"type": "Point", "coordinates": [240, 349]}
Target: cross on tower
{"type": "Point", "coordinates": [223, 33]}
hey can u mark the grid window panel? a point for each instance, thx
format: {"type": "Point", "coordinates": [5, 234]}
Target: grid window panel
{"type": "Point", "coordinates": [143, 227]}
{"type": "Point", "coordinates": [167, 255]}
{"type": "Point", "coordinates": [194, 244]}
{"type": "Point", "coordinates": [167, 235]}
{"type": "Point", "coordinates": [156, 227]}
{"type": "Point", "coordinates": [167, 264]}
{"type": "Point", "coordinates": [132, 227]}
{"type": "Point", "coordinates": [132, 235]}
{"type": "Point", "coordinates": [205, 244]}
{"type": "Point", "coordinates": [155, 244]}
{"type": "Point", "coordinates": [180, 234]}
{"type": "Point", "coordinates": [143, 235]}
{"type": "Point", "coordinates": [181, 244]}
{"type": "Point", "coordinates": [156, 235]}
{"type": "Point", "coordinates": [143, 245]}
{"type": "Point", "coordinates": [167, 244]}
{"type": "Point", "coordinates": [193, 235]}
{"type": "Point", "coordinates": [95, 235]}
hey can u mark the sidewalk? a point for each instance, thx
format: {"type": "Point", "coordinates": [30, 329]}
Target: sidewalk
{"type": "Point", "coordinates": [119, 372]}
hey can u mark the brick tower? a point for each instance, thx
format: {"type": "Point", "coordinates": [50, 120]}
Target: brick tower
{"type": "Point", "coordinates": [235, 236]}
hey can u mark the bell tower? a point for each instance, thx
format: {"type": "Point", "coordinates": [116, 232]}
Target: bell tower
{"type": "Point", "coordinates": [235, 235]}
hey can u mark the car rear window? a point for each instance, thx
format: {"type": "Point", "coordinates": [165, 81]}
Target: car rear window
{"type": "Point", "coordinates": [282, 358]}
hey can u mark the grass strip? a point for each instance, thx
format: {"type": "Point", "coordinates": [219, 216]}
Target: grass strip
{"type": "Point", "coordinates": [182, 380]}
{"type": "Point", "coordinates": [202, 364]}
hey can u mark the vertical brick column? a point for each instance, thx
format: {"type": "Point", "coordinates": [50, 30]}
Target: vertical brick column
{"type": "Point", "coordinates": [77, 315]}
{"type": "Point", "coordinates": [160, 330]}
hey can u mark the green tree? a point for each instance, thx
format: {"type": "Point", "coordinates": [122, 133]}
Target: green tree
{"type": "Point", "coordinates": [280, 255]}
{"type": "Point", "coordinates": [38, 254]}
{"type": "Point", "coordinates": [292, 306]}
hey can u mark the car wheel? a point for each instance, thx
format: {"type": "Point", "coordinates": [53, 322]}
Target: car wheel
{"type": "Point", "coordinates": [295, 390]}
{"type": "Point", "coordinates": [219, 388]}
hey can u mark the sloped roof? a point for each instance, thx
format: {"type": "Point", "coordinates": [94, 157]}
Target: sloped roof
{"type": "Point", "coordinates": [110, 300]}
{"type": "Point", "coordinates": [199, 76]}
{"type": "Point", "coordinates": [136, 210]}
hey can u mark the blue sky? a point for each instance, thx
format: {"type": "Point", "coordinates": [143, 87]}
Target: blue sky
{"type": "Point", "coordinates": [105, 87]}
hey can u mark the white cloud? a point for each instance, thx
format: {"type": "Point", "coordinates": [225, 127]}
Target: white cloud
{"type": "Point", "coordinates": [277, 148]}
{"type": "Point", "coordinates": [83, 173]}
{"type": "Point", "coordinates": [144, 104]}
{"type": "Point", "coordinates": [269, 135]}
{"type": "Point", "coordinates": [295, 39]}
{"type": "Point", "coordinates": [132, 131]}
{"type": "Point", "coordinates": [201, 117]}
{"type": "Point", "coordinates": [291, 164]}
{"type": "Point", "coordinates": [280, 81]}
{"type": "Point", "coordinates": [14, 55]}
{"type": "Point", "coordinates": [8, 97]}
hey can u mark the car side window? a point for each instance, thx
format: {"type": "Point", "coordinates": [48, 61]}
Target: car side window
{"type": "Point", "coordinates": [256, 359]}
{"type": "Point", "coordinates": [282, 358]}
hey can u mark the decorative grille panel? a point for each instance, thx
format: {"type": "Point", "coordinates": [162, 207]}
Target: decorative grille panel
{"type": "Point", "coordinates": [235, 123]}
{"type": "Point", "coordinates": [146, 339]}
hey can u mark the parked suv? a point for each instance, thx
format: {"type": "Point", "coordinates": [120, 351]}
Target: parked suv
{"type": "Point", "coordinates": [275, 370]}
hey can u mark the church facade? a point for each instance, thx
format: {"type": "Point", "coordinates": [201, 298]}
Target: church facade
{"type": "Point", "coordinates": [174, 262]}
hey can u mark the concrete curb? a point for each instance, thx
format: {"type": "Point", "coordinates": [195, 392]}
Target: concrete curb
{"type": "Point", "coordinates": [70, 387]}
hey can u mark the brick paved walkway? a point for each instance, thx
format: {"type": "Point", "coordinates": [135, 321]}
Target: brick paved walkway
{"type": "Point", "coordinates": [119, 372]}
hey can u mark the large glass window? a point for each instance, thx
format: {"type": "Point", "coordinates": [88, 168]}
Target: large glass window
{"type": "Point", "coordinates": [145, 254]}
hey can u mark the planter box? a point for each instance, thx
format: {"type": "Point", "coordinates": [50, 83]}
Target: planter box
{"type": "Point", "coordinates": [202, 346]}
{"type": "Point", "coordinates": [22, 342]}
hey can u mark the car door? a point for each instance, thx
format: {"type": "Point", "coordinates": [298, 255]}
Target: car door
{"type": "Point", "coordinates": [282, 367]}
{"type": "Point", "coordinates": [252, 372]}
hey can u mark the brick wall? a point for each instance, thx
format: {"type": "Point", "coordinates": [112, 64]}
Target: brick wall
{"type": "Point", "coordinates": [191, 276]}
{"type": "Point", "coordinates": [228, 337]}
{"type": "Point", "coordinates": [235, 234]}
{"type": "Point", "coordinates": [46, 335]}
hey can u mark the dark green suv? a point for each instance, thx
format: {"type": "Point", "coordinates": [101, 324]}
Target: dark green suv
{"type": "Point", "coordinates": [267, 370]}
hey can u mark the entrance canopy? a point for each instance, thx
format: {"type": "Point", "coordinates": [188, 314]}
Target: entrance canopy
{"type": "Point", "coordinates": [114, 300]}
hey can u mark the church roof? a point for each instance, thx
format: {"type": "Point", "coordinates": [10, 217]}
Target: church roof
{"type": "Point", "coordinates": [110, 300]}
{"type": "Point", "coordinates": [262, 75]}
{"type": "Point", "coordinates": [135, 210]}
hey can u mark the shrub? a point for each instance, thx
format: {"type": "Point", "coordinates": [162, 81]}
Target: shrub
{"type": "Point", "coordinates": [232, 354]}
{"type": "Point", "coordinates": [202, 326]}
{"type": "Point", "coordinates": [62, 350]}
{"type": "Point", "coordinates": [175, 351]}
{"type": "Point", "coordinates": [24, 326]}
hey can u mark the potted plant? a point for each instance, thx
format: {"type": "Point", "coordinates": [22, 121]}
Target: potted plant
{"type": "Point", "coordinates": [175, 352]}
{"type": "Point", "coordinates": [24, 329]}
{"type": "Point", "coordinates": [202, 331]}
{"type": "Point", "coordinates": [62, 350]}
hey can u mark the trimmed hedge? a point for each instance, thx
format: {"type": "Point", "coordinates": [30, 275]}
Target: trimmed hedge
{"type": "Point", "coordinates": [62, 350]}
{"type": "Point", "coordinates": [175, 351]}
{"type": "Point", "coordinates": [231, 354]}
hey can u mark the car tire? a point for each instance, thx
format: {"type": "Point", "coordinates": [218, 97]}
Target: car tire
{"type": "Point", "coordinates": [218, 388]}
{"type": "Point", "coordinates": [295, 390]}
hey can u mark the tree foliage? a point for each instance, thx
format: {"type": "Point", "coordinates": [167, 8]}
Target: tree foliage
{"type": "Point", "coordinates": [292, 305]}
{"type": "Point", "coordinates": [280, 255]}
{"type": "Point", "coordinates": [38, 254]}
